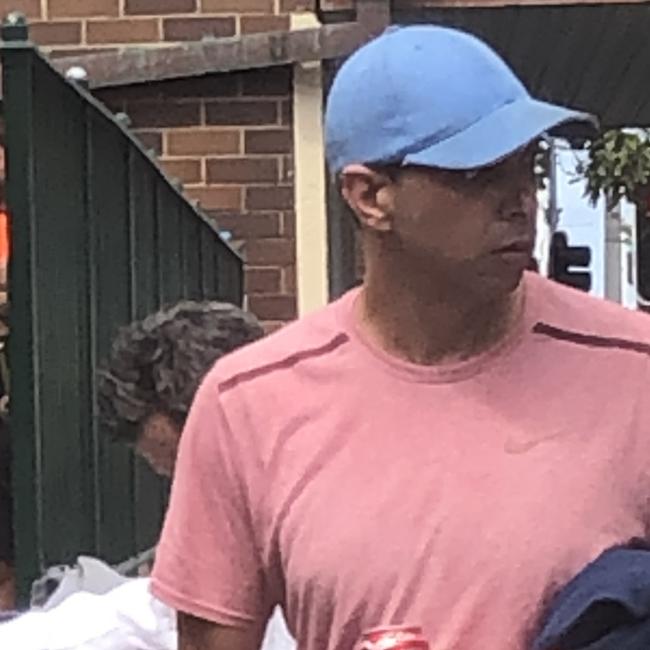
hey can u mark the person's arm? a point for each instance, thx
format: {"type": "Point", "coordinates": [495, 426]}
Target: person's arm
{"type": "Point", "coordinates": [208, 563]}
{"type": "Point", "coordinates": [198, 634]}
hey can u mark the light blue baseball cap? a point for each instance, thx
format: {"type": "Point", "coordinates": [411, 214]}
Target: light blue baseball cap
{"type": "Point", "coordinates": [433, 96]}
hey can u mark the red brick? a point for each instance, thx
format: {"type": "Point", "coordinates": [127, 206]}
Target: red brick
{"type": "Point", "coordinates": [288, 6]}
{"type": "Point", "coordinates": [267, 81]}
{"type": "Point", "coordinates": [151, 114]}
{"type": "Point", "coordinates": [187, 170]}
{"type": "Point", "coordinates": [82, 8]}
{"type": "Point", "coordinates": [57, 53]}
{"type": "Point", "coordinates": [216, 198]}
{"type": "Point", "coordinates": [160, 7]}
{"type": "Point", "coordinates": [194, 29]}
{"type": "Point", "coordinates": [269, 198]}
{"type": "Point", "coordinates": [212, 86]}
{"type": "Point", "coordinates": [242, 170]}
{"type": "Point", "coordinates": [263, 280]}
{"type": "Point", "coordinates": [31, 8]}
{"type": "Point", "coordinates": [151, 140]}
{"type": "Point", "coordinates": [289, 280]}
{"type": "Point", "coordinates": [271, 326]}
{"type": "Point", "coordinates": [336, 5]}
{"type": "Point", "coordinates": [242, 113]}
{"type": "Point", "coordinates": [405, 5]}
{"type": "Point", "coordinates": [286, 172]}
{"type": "Point", "coordinates": [238, 6]}
{"type": "Point", "coordinates": [111, 98]}
{"type": "Point", "coordinates": [268, 307]}
{"type": "Point", "coordinates": [247, 226]}
{"type": "Point", "coordinates": [289, 224]}
{"type": "Point", "coordinates": [268, 141]}
{"type": "Point", "coordinates": [122, 31]}
{"type": "Point", "coordinates": [56, 33]}
{"type": "Point", "coordinates": [271, 252]}
{"type": "Point", "coordinates": [264, 23]}
{"type": "Point", "coordinates": [202, 142]}
{"type": "Point", "coordinates": [286, 112]}
{"type": "Point", "coordinates": [127, 94]}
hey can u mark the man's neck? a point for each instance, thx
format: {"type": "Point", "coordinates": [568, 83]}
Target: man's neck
{"type": "Point", "coordinates": [420, 324]}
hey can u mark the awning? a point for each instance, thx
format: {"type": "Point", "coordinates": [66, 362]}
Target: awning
{"type": "Point", "coordinates": [591, 57]}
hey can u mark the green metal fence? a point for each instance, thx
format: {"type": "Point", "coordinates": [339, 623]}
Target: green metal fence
{"type": "Point", "coordinates": [99, 237]}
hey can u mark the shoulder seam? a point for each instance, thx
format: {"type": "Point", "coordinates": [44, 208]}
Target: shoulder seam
{"type": "Point", "coordinates": [284, 363]}
{"type": "Point", "coordinates": [591, 340]}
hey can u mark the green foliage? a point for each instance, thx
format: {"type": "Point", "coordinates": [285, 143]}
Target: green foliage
{"type": "Point", "coordinates": [618, 166]}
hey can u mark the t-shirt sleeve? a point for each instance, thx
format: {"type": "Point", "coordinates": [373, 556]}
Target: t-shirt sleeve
{"type": "Point", "coordinates": [638, 463]}
{"type": "Point", "coordinates": [207, 562]}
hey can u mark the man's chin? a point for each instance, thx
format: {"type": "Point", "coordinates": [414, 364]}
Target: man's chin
{"type": "Point", "coordinates": [504, 283]}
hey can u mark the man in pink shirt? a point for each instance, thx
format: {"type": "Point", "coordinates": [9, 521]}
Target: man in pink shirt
{"type": "Point", "coordinates": [445, 446]}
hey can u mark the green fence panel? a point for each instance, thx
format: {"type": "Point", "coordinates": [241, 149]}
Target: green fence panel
{"type": "Point", "coordinates": [191, 254]}
{"type": "Point", "coordinates": [230, 276]}
{"type": "Point", "coordinates": [99, 237]}
{"type": "Point", "coordinates": [59, 283]}
{"type": "Point", "coordinates": [109, 215]}
{"type": "Point", "coordinates": [148, 490]}
{"type": "Point", "coordinates": [145, 288]}
{"type": "Point", "coordinates": [169, 248]}
{"type": "Point", "coordinates": [209, 280]}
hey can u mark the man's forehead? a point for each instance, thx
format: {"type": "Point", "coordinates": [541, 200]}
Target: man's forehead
{"type": "Point", "coordinates": [531, 148]}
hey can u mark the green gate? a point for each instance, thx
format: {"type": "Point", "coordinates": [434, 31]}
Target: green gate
{"type": "Point", "coordinates": [99, 237]}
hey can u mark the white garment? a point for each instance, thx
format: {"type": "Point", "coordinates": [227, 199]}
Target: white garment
{"type": "Point", "coordinates": [277, 635]}
{"type": "Point", "coordinates": [88, 574]}
{"type": "Point", "coordinates": [128, 617]}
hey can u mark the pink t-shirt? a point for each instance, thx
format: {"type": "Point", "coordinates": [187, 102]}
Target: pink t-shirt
{"type": "Point", "coordinates": [357, 490]}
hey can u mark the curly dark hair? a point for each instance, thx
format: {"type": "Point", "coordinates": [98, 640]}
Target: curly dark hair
{"type": "Point", "coordinates": [156, 364]}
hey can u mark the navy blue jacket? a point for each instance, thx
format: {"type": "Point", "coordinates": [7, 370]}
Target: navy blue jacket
{"type": "Point", "coordinates": [605, 607]}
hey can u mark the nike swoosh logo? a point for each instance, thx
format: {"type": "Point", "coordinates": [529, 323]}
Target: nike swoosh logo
{"type": "Point", "coordinates": [522, 446]}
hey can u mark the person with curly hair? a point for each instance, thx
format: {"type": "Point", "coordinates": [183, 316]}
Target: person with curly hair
{"type": "Point", "coordinates": [155, 366]}
{"type": "Point", "coordinates": [145, 389]}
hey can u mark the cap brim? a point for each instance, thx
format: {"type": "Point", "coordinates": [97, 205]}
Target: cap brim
{"type": "Point", "coordinates": [501, 134]}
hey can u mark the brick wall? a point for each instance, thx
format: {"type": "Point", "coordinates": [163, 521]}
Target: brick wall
{"type": "Point", "coordinates": [227, 137]}
{"type": "Point", "coordinates": [101, 24]}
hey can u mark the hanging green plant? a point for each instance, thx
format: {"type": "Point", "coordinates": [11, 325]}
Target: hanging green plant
{"type": "Point", "coordinates": [618, 166]}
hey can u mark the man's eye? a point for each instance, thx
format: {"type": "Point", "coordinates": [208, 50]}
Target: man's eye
{"type": "Point", "coordinates": [490, 174]}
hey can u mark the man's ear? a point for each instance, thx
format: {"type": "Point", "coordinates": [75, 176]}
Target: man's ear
{"type": "Point", "coordinates": [368, 193]}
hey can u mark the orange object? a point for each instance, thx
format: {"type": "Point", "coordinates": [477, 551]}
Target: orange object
{"type": "Point", "coordinates": [4, 237]}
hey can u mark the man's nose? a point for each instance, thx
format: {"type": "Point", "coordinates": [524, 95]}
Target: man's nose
{"type": "Point", "coordinates": [520, 203]}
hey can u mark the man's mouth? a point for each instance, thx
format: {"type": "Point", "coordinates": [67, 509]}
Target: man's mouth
{"type": "Point", "coordinates": [520, 246]}
{"type": "Point", "coordinates": [517, 253]}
